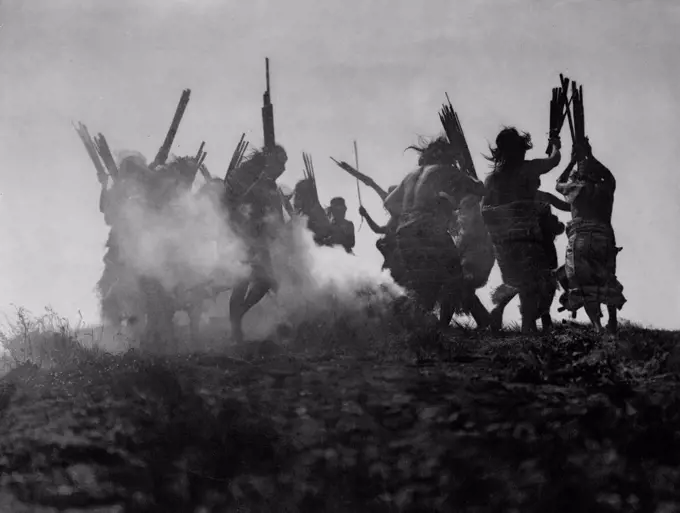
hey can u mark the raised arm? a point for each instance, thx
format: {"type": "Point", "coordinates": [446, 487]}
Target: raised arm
{"type": "Point", "coordinates": [567, 171]}
{"type": "Point", "coordinates": [553, 200]}
{"type": "Point", "coordinates": [563, 180]}
{"type": "Point", "coordinates": [394, 201]}
{"type": "Point", "coordinates": [545, 165]}
{"type": "Point", "coordinates": [375, 227]}
{"type": "Point", "coordinates": [472, 185]}
{"type": "Point", "coordinates": [603, 173]}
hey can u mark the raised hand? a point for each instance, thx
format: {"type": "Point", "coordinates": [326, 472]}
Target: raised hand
{"type": "Point", "coordinates": [556, 141]}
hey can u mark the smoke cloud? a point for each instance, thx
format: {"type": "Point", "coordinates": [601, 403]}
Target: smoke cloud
{"type": "Point", "coordinates": [189, 243]}
{"type": "Point", "coordinates": [316, 280]}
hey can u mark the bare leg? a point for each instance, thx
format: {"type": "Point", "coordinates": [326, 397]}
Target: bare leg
{"type": "Point", "coordinates": [245, 296]}
{"type": "Point", "coordinates": [612, 322]}
{"type": "Point", "coordinates": [594, 313]}
{"type": "Point", "coordinates": [479, 313]}
{"type": "Point", "coordinates": [546, 323]}
{"type": "Point", "coordinates": [236, 309]}
{"type": "Point", "coordinates": [546, 304]}
{"type": "Point", "coordinates": [496, 315]}
{"type": "Point", "coordinates": [446, 309]}
{"type": "Point", "coordinates": [529, 310]}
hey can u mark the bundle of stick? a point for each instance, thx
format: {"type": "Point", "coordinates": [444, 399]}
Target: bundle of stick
{"type": "Point", "coordinates": [91, 149]}
{"type": "Point", "coordinates": [105, 154]}
{"type": "Point", "coordinates": [199, 159]}
{"type": "Point", "coordinates": [308, 173]}
{"type": "Point", "coordinates": [268, 113]}
{"type": "Point", "coordinates": [164, 150]}
{"type": "Point", "coordinates": [455, 135]}
{"type": "Point", "coordinates": [236, 157]}
{"type": "Point", "coordinates": [579, 131]}
{"type": "Point", "coordinates": [559, 110]}
{"type": "Point", "coordinates": [99, 151]}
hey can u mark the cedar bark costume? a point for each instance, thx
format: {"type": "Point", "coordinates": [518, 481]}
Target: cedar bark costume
{"type": "Point", "coordinates": [521, 249]}
{"type": "Point", "coordinates": [255, 205]}
{"type": "Point", "coordinates": [430, 262]}
{"type": "Point", "coordinates": [428, 254]}
{"type": "Point", "coordinates": [256, 217]}
{"type": "Point", "coordinates": [118, 287]}
{"type": "Point", "coordinates": [161, 304]}
{"type": "Point", "coordinates": [590, 266]}
{"type": "Point", "coordinates": [524, 248]}
{"type": "Point", "coordinates": [473, 240]}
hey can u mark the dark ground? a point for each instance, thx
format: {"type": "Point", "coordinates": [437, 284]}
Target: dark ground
{"type": "Point", "coordinates": [568, 422]}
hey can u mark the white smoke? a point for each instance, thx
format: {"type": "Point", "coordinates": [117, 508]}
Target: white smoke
{"type": "Point", "coordinates": [189, 243]}
{"type": "Point", "coordinates": [185, 244]}
{"type": "Point", "coordinates": [316, 280]}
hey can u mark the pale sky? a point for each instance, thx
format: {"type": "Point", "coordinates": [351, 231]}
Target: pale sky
{"type": "Point", "coordinates": [373, 70]}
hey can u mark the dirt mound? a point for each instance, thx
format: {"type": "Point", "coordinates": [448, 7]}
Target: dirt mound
{"type": "Point", "coordinates": [568, 422]}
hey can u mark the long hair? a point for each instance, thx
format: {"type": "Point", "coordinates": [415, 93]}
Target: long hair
{"type": "Point", "coordinates": [510, 150]}
{"type": "Point", "coordinates": [435, 151]}
{"type": "Point", "coordinates": [304, 195]}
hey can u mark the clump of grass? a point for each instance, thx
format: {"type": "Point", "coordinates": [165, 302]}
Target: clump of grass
{"type": "Point", "coordinates": [46, 341]}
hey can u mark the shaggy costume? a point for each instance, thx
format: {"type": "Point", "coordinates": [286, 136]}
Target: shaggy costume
{"type": "Point", "coordinates": [590, 267]}
{"type": "Point", "coordinates": [472, 238]}
{"type": "Point", "coordinates": [256, 216]}
{"type": "Point", "coordinates": [521, 251]}
{"type": "Point", "coordinates": [117, 289]}
{"type": "Point", "coordinates": [551, 227]}
{"type": "Point", "coordinates": [429, 257]}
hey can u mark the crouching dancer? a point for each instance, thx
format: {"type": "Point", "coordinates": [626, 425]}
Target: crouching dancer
{"type": "Point", "coordinates": [255, 208]}
{"type": "Point", "coordinates": [425, 203]}
{"type": "Point", "coordinates": [589, 273]}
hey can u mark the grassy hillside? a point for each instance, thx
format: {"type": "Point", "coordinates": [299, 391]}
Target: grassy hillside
{"type": "Point", "coordinates": [349, 420]}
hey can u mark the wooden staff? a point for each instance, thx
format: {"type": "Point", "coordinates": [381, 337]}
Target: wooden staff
{"type": "Point", "coordinates": [554, 117]}
{"type": "Point", "coordinates": [200, 151]}
{"type": "Point", "coordinates": [356, 162]}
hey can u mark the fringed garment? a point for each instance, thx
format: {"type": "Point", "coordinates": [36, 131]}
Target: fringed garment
{"type": "Point", "coordinates": [428, 255]}
{"type": "Point", "coordinates": [473, 240]}
{"type": "Point", "coordinates": [256, 218]}
{"type": "Point", "coordinates": [591, 266]}
{"type": "Point", "coordinates": [118, 294]}
{"type": "Point", "coordinates": [521, 251]}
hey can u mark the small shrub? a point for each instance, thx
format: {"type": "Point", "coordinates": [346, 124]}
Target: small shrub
{"type": "Point", "coordinates": [46, 341]}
